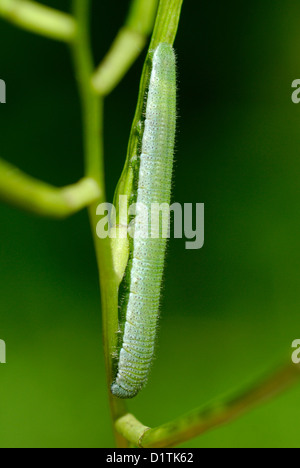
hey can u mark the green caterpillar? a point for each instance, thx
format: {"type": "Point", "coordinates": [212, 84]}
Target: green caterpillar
{"type": "Point", "coordinates": [144, 273]}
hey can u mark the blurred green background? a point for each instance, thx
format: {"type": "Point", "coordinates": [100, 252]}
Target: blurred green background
{"type": "Point", "coordinates": [231, 310]}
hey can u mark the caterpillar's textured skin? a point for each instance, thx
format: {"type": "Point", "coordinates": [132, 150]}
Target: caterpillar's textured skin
{"type": "Point", "coordinates": [148, 256]}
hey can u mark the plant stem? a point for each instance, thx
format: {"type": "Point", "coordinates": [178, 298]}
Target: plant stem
{"type": "Point", "coordinates": [20, 190]}
{"type": "Point", "coordinates": [167, 22]}
{"type": "Point", "coordinates": [92, 106]}
{"type": "Point", "coordinates": [39, 19]}
{"type": "Point", "coordinates": [127, 46]}
{"type": "Point", "coordinates": [212, 416]}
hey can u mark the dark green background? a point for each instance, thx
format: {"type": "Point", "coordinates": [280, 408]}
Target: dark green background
{"type": "Point", "coordinates": [231, 310]}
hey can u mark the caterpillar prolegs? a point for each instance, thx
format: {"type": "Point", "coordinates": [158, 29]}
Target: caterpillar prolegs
{"type": "Point", "coordinates": [144, 274]}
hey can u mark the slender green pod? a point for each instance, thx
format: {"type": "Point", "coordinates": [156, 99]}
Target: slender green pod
{"type": "Point", "coordinates": [143, 277]}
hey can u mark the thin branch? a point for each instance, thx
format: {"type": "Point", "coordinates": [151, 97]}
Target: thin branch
{"type": "Point", "coordinates": [39, 19]}
{"type": "Point", "coordinates": [92, 107]}
{"type": "Point", "coordinates": [25, 192]}
{"type": "Point", "coordinates": [212, 416]}
{"type": "Point", "coordinates": [127, 46]}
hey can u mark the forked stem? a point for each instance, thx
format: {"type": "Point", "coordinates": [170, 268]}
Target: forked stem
{"type": "Point", "coordinates": [92, 107]}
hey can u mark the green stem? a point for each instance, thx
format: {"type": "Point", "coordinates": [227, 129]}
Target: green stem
{"type": "Point", "coordinates": [127, 46]}
{"type": "Point", "coordinates": [25, 192]}
{"type": "Point", "coordinates": [92, 106]}
{"type": "Point", "coordinates": [213, 415]}
{"type": "Point", "coordinates": [39, 19]}
{"type": "Point", "coordinates": [167, 22]}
